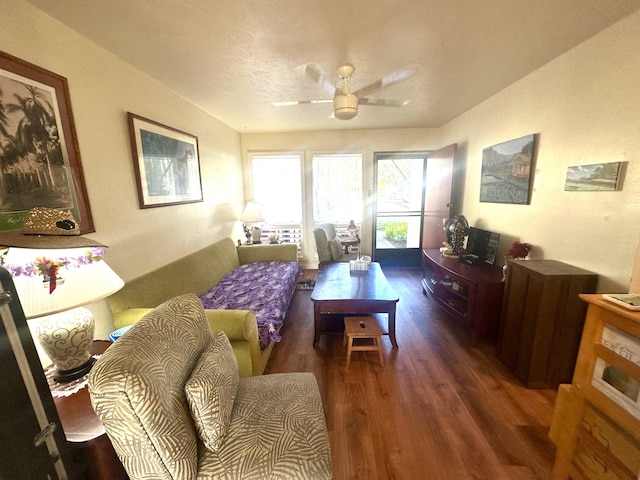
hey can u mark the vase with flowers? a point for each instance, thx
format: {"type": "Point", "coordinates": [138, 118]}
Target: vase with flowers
{"type": "Point", "coordinates": [517, 251]}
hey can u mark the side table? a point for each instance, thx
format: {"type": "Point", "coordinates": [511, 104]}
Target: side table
{"type": "Point", "coordinates": [348, 243]}
{"type": "Point", "coordinates": [87, 439]}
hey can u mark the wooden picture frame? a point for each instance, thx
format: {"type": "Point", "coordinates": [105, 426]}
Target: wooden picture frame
{"type": "Point", "coordinates": [507, 171]}
{"type": "Point", "coordinates": [38, 146]}
{"type": "Point", "coordinates": [166, 163]}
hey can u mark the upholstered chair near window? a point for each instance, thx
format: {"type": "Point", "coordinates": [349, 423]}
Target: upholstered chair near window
{"type": "Point", "coordinates": [328, 245]}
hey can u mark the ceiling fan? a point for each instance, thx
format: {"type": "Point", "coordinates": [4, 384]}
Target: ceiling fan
{"type": "Point", "coordinates": [345, 102]}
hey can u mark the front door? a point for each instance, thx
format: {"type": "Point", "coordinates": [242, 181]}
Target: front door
{"type": "Point", "coordinates": [437, 196]}
{"type": "Point", "coordinates": [413, 198]}
{"type": "Point", "coordinates": [397, 228]}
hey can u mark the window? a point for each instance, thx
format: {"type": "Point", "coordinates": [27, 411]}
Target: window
{"type": "Point", "coordinates": [337, 188]}
{"type": "Point", "coordinates": [277, 184]}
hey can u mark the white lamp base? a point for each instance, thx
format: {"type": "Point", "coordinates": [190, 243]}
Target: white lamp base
{"type": "Point", "coordinates": [67, 338]}
{"type": "Point", "coordinates": [256, 235]}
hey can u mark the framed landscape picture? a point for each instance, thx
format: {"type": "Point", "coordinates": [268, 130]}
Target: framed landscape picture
{"type": "Point", "coordinates": [39, 158]}
{"type": "Point", "coordinates": [166, 163]}
{"type": "Point", "coordinates": [595, 177]}
{"type": "Point", "coordinates": [506, 171]}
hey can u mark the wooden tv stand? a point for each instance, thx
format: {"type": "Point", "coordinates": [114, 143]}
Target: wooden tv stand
{"type": "Point", "coordinates": [469, 293]}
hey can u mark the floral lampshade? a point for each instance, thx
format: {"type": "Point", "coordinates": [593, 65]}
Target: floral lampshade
{"type": "Point", "coordinates": [52, 285]}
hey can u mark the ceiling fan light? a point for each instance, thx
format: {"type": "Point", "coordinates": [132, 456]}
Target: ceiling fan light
{"type": "Point", "coordinates": [345, 107]}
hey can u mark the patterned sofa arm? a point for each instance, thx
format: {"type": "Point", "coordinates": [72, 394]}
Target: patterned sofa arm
{"type": "Point", "coordinates": [242, 330]}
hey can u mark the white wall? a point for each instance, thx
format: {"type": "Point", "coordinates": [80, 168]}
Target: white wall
{"type": "Point", "coordinates": [103, 89]}
{"type": "Point", "coordinates": [585, 107]}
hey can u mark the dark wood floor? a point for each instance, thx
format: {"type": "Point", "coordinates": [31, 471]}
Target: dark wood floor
{"type": "Point", "coordinates": [439, 409]}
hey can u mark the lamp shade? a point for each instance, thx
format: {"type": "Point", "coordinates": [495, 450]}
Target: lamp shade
{"type": "Point", "coordinates": [81, 277]}
{"type": "Point", "coordinates": [252, 212]}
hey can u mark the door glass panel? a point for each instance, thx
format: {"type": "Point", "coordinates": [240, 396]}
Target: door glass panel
{"type": "Point", "coordinates": [399, 186]}
{"type": "Point", "coordinates": [397, 232]}
{"type": "Point", "coordinates": [399, 201]}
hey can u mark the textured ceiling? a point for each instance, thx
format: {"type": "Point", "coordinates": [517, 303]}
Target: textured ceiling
{"type": "Point", "coordinates": [233, 58]}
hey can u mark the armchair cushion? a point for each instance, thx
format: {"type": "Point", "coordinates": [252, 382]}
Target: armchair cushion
{"type": "Point", "coordinates": [322, 245]}
{"type": "Point", "coordinates": [278, 431]}
{"type": "Point", "coordinates": [336, 248]}
{"type": "Point", "coordinates": [137, 390]}
{"type": "Point", "coordinates": [211, 391]}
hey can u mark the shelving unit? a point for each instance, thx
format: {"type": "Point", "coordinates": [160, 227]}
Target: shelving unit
{"type": "Point", "coordinates": [471, 294]}
{"type": "Point", "coordinates": [596, 421]}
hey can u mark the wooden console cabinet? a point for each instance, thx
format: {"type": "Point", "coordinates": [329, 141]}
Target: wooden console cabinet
{"type": "Point", "coordinates": [542, 319]}
{"type": "Point", "coordinates": [596, 420]}
{"type": "Point", "coordinates": [469, 293]}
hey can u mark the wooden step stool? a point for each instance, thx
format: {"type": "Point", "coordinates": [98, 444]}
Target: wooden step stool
{"type": "Point", "coordinates": [367, 335]}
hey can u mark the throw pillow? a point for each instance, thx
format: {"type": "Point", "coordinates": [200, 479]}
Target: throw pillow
{"type": "Point", "coordinates": [211, 390]}
{"type": "Point", "coordinates": [335, 245]}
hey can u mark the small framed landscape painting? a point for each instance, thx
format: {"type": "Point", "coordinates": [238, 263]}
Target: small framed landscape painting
{"type": "Point", "coordinates": [166, 163]}
{"type": "Point", "coordinates": [595, 177]}
{"type": "Point", "coordinates": [506, 171]}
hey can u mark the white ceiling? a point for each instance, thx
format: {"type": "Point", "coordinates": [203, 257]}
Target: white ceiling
{"type": "Point", "coordinates": [233, 58]}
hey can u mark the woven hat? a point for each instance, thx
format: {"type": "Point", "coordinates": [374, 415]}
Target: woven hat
{"type": "Point", "coordinates": [50, 221]}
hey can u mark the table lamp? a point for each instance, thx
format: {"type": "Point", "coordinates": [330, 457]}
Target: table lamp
{"type": "Point", "coordinates": [252, 213]}
{"type": "Point", "coordinates": [353, 230]}
{"type": "Point", "coordinates": [52, 285]}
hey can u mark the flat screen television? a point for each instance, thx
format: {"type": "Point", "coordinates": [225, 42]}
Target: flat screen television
{"type": "Point", "coordinates": [483, 244]}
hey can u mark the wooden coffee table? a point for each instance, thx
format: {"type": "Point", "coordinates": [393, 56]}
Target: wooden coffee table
{"type": "Point", "coordinates": [341, 291]}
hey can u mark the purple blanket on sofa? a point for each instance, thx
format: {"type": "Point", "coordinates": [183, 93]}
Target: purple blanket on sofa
{"type": "Point", "coordinates": [266, 288]}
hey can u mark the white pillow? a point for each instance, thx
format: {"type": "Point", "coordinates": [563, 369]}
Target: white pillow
{"type": "Point", "coordinates": [211, 390]}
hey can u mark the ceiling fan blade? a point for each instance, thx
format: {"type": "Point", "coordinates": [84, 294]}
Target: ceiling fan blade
{"type": "Point", "coordinates": [300, 102]}
{"type": "Point", "coordinates": [314, 72]}
{"type": "Point", "coordinates": [387, 80]}
{"type": "Point", "coordinates": [381, 102]}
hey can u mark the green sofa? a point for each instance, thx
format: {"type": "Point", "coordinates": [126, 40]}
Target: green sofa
{"type": "Point", "coordinates": [196, 273]}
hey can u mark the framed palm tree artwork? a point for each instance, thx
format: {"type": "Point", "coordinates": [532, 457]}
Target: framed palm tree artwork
{"type": "Point", "coordinates": [39, 158]}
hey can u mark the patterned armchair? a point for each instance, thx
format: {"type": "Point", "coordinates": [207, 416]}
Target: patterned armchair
{"type": "Point", "coordinates": [171, 401]}
{"type": "Point", "coordinates": [328, 245]}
